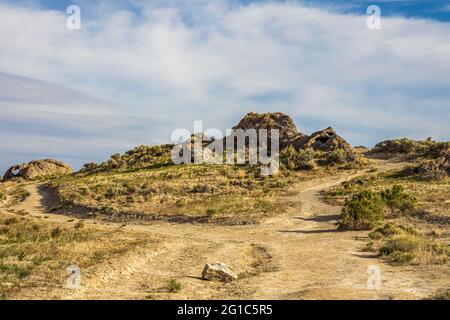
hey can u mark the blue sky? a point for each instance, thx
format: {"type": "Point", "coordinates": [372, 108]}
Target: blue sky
{"type": "Point", "coordinates": [429, 9]}
{"type": "Point", "coordinates": [139, 69]}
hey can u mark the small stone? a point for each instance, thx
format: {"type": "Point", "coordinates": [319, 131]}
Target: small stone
{"type": "Point", "coordinates": [218, 272]}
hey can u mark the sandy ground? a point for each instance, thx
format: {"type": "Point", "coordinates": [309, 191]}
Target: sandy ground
{"type": "Point", "coordinates": [300, 256]}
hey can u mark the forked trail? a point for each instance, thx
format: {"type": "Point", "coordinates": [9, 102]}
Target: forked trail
{"type": "Point", "coordinates": [297, 255]}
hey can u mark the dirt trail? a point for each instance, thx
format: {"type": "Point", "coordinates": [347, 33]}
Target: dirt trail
{"type": "Point", "coordinates": [297, 255]}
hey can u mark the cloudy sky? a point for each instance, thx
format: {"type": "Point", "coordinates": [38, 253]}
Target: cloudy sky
{"type": "Point", "coordinates": [139, 69]}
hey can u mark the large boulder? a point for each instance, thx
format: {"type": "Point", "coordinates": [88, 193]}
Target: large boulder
{"type": "Point", "coordinates": [218, 272]}
{"type": "Point", "coordinates": [277, 120]}
{"type": "Point", "coordinates": [37, 169]}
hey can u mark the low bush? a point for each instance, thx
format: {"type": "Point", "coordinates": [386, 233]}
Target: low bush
{"type": "Point", "coordinates": [337, 156]}
{"type": "Point", "coordinates": [293, 159]}
{"type": "Point", "coordinates": [397, 200]}
{"type": "Point", "coordinates": [363, 211]}
{"type": "Point", "coordinates": [174, 286]}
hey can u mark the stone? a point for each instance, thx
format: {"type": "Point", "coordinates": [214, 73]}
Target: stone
{"type": "Point", "coordinates": [218, 272]}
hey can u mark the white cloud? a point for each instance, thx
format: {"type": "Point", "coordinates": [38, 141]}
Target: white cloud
{"type": "Point", "coordinates": [216, 61]}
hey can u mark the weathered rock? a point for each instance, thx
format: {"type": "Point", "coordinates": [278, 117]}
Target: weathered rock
{"type": "Point", "coordinates": [218, 272]}
{"type": "Point", "coordinates": [325, 140]}
{"type": "Point", "coordinates": [37, 169]}
{"type": "Point", "coordinates": [360, 149]}
{"type": "Point", "coordinates": [277, 120]}
{"type": "Point", "coordinates": [435, 169]}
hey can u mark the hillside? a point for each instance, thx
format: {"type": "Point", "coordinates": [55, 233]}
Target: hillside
{"type": "Point", "coordinates": [140, 227]}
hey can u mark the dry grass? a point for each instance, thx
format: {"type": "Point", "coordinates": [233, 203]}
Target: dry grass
{"type": "Point", "coordinates": [227, 194]}
{"type": "Point", "coordinates": [401, 245]}
{"type": "Point", "coordinates": [12, 193]}
{"type": "Point", "coordinates": [36, 253]}
{"type": "Point", "coordinates": [441, 295]}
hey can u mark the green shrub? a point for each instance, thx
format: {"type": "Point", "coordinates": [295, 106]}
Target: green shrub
{"type": "Point", "coordinates": [293, 159]}
{"type": "Point", "coordinates": [397, 200]}
{"type": "Point", "coordinates": [337, 156]}
{"type": "Point", "coordinates": [362, 211]}
{"type": "Point", "coordinates": [174, 286]}
{"type": "Point", "coordinates": [56, 232]}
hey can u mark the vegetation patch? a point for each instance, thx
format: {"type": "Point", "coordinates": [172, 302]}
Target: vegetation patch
{"type": "Point", "coordinates": [403, 195]}
{"type": "Point", "coordinates": [402, 245]}
{"type": "Point", "coordinates": [363, 211]}
{"type": "Point", "coordinates": [174, 286]}
{"type": "Point", "coordinates": [441, 295]}
{"type": "Point", "coordinates": [192, 193]}
{"type": "Point", "coordinates": [414, 149]}
{"type": "Point", "coordinates": [398, 200]}
{"type": "Point", "coordinates": [141, 157]}
{"type": "Point", "coordinates": [36, 254]}
{"type": "Point", "coordinates": [292, 159]}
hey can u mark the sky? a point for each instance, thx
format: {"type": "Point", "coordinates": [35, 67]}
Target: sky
{"type": "Point", "coordinates": [137, 70]}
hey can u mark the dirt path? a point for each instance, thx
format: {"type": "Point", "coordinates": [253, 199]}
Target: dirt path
{"type": "Point", "coordinates": [297, 255]}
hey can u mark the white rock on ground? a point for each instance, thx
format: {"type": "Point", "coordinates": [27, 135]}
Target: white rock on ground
{"type": "Point", "coordinates": [219, 272]}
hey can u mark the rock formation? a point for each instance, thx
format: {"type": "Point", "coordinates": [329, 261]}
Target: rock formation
{"type": "Point", "coordinates": [435, 169]}
{"type": "Point", "coordinates": [277, 120]}
{"type": "Point", "coordinates": [37, 169]}
{"type": "Point", "coordinates": [325, 140]}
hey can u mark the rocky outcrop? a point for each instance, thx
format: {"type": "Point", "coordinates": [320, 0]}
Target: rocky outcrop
{"type": "Point", "coordinates": [277, 120]}
{"type": "Point", "coordinates": [435, 169]}
{"type": "Point", "coordinates": [218, 272]}
{"type": "Point", "coordinates": [37, 169]}
{"type": "Point", "coordinates": [325, 140]}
